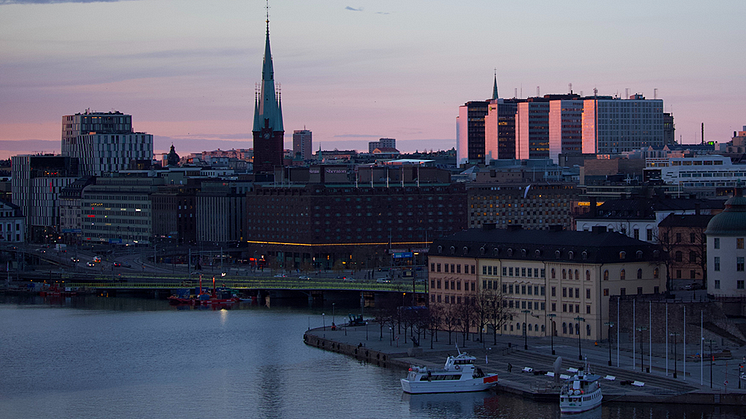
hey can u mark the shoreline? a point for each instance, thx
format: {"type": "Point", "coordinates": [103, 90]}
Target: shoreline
{"type": "Point", "coordinates": [356, 342]}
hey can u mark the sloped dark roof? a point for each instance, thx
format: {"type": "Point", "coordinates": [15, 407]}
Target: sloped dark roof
{"type": "Point", "coordinates": [646, 208]}
{"type": "Point", "coordinates": [686, 220]}
{"type": "Point", "coordinates": [566, 246]}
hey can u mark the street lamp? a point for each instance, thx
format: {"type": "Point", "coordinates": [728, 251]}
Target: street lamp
{"type": "Point", "coordinates": [674, 334]}
{"type": "Point", "coordinates": [577, 330]}
{"type": "Point", "coordinates": [642, 348]}
{"type": "Point", "coordinates": [525, 333]}
{"type": "Point", "coordinates": [323, 320]}
{"type": "Point", "coordinates": [333, 314]}
{"type": "Point", "coordinates": [610, 324]}
{"type": "Point", "coordinates": [710, 341]}
{"type": "Point", "coordinates": [551, 332]}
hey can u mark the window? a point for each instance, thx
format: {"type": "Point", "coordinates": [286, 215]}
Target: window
{"type": "Point", "coordinates": [739, 264]}
{"type": "Point", "coordinates": [554, 306]}
{"type": "Point", "coordinates": [649, 235]}
{"type": "Point", "coordinates": [588, 293]}
{"type": "Point", "coordinates": [622, 291]}
{"type": "Point", "coordinates": [717, 264]}
{"type": "Point", "coordinates": [636, 233]}
{"type": "Point", "coordinates": [438, 266]}
{"type": "Point", "coordinates": [553, 273]}
{"type": "Point", "coordinates": [564, 292]}
{"type": "Point", "coordinates": [717, 284]}
{"type": "Point", "coordinates": [678, 256]}
{"type": "Point", "coordinates": [692, 256]}
{"type": "Point", "coordinates": [622, 275]}
{"type": "Point", "coordinates": [716, 243]}
{"type": "Point", "coordinates": [739, 243]}
{"type": "Point", "coordinates": [639, 290]}
{"type": "Point", "coordinates": [439, 284]}
{"type": "Point", "coordinates": [655, 273]}
{"type": "Point", "coordinates": [554, 291]}
{"type": "Point", "coordinates": [692, 238]}
{"type": "Point", "coordinates": [606, 275]}
{"type": "Point", "coordinates": [588, 328]}
{"type": "Point", "coordinates": [639, 274]}
{"type": "Point", "coordinates": [606, 292]}
{"type": "Point", "coordinates": [739, 284]}
{"type": "Point", "coordinates": [564, 274]}
{"type": "Point", "coordinates": [587, 275]}
{"type": "Point", "coordinates": [458, 269]}
{"type": "Point", "coordinates": [678, 237]}
{"type": "Point", "coordinates": [692, 274]}
{"type": "Point", "coordinates": [587, 309]}
{"type": "Point", "coordinates": [577, 276]}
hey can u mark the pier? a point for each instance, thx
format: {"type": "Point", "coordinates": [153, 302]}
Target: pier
{"type": "Point", "coordinates": [523, 372]}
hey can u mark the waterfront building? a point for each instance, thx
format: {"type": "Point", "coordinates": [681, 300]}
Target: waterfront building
{"type": "Point", "coordinates": [268, 127]}
{"type": "Point", "coordinates": [118, 210]}
{"type": "Point", "coordinates": [330, 221]}
{"type": "Point", "coordinates": [303, 144]}
{"type": "Point", "coordinates": [104, 142]}
{"type": "Point", "coordinates": [613, 125]}
{"type": "Point", "coordinates": [175, 212]}
{"type": "Point", "coordinates": [221, 211]}
{"type": "Point", "coordinates": [726, 251]}
{"type": "Point", "coordinates": [37, 182]}
{"type": "Point", "coordinates": [543, 276]}
{"type": "Point", "coordinates": [12, 223]}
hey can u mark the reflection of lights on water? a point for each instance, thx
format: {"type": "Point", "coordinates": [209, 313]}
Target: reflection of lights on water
{"type": "Point", "coordinates": [223, 317]}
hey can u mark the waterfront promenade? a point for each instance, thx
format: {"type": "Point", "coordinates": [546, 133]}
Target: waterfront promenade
{"type": "Point", "coordinates": [508, 358]}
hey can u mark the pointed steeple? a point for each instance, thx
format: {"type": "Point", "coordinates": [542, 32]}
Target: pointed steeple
{"type": "Point", "coordinates": [267, 113]}
{"type": "Point", "coordinates": [494, 87]}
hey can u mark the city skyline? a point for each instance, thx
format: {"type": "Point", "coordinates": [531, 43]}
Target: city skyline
{"type": "Point", "coordinates": [353, 73]}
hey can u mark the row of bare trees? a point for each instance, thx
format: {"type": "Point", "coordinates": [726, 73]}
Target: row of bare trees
{"type": "Point", "coordinates": [485, 311]}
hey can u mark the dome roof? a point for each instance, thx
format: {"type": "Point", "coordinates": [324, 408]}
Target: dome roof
{"type": "Point", "coordinates": [730, 222]}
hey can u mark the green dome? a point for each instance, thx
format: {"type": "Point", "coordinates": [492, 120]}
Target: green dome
{"type": "Point", "coordinates": [730, 222]}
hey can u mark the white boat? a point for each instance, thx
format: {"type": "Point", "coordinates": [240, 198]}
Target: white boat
{"type": "Point", "coordinates": [458, 375]}
{"type": "Point", "coordinates": [581, 393]}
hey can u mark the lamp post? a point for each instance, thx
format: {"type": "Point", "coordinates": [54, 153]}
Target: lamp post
{"type": "Point", "coordinates": [551, 332]}
{"type": "Point", "coordinates": [674, 334]}
{"type": "Point", "coordinates": [525, 323]}
{"type": "Point", "coordinates": [323, 320]}
{"type": "Point", "coordinates": [642, 348]}
{"type": "Point", "coordinates": [710, 341]}
{"type": "Point", "coordinates": [610, 324]}
{"type": "Point", "coordinates": [333, 314]}
{"type": "Point", "coordinates": [577, 330]}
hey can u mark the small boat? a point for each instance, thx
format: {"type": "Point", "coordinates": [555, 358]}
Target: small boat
{"type": "Point", "coordinates": [581, 392]}
{"type": "Point", "coordinates": [458, 375]}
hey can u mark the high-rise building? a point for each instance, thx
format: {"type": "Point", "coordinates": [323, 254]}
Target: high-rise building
{"type": "Point", "coordinates": [387, 143]}
{"type": "Point", "coordinates": [532, 129]}
{"type": "Point", "coordinates": [565, 127]}
{"type": "Point", "coordinates": [470, 146]}
{"type": "Point", "coordinates": [37, 182]}
{"type": "Point", "coordinates": [268, 127]}
{"type": "Point", "coordinates": [104, 142]}
{"type": "Point", "coordinates": [499, 130]}
{"type": "Point", "coordinates": [303, 144]}
{"type": "Point", "coordinates": [614, 125]}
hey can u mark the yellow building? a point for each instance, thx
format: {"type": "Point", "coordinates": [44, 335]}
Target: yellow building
{"type": "Point", "coordinates": [545, 276]}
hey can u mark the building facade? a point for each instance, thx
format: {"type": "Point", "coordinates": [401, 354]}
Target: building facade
{"type": "Point", "coordinates": [470, 144]}
{"type": "Point", "coordinates": [104, 142]}
{"type": "Point", "coordinates": [12, 223]}
{"type": "Point", "coordinates": [614, 125]}
{"type": "Point", "coordinates": [37, 182]}
{"type": "Point", "coordinates": [221, 211]}
{"type": "Point", "coordinates": [532, 129]}
{"type": "Point", "coordinates": [549, 280]}
{"type": "Point", "coordinates": [726, 250]}
{"type": "Point", "coordinates": [303, 144]}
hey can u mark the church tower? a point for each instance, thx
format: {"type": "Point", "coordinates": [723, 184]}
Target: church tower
{"type": "Point", "coordinates": [268, 127]}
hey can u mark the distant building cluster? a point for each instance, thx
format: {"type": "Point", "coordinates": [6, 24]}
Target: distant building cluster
{"type": "Point", "coordinates": [559, 203]}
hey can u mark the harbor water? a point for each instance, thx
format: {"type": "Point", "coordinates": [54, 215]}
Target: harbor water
{"type": "Point", "coordinates": [129, 358]}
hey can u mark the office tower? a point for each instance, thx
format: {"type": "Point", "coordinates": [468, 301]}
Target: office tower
{"type": "Point", "coordinates": [37, 182]}
{"type": "Point", "coordinates": [104, 142]}
{"type": "Point", "coordinates": [613, 125]}
{"type": "Point", "coordinates": [565, 127]}
{"type": "Point", "coordinates": [268, 127]}
{"type": "Point", "coordinates": [388, 143]}
{"type": "Point", "coordinates": [499, 130]}
{"type": "Point", "coordinates": [532, 129]}
{"type": "Point", "coordinates": [470, 146]}
{"type": "Point", "coordinates": [303, 144]}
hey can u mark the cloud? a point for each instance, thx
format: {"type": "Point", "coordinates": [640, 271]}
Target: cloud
{"type": "Point", "coordinates": [4, 2]}
{"type": "Point", "coordinates": [359, 9]}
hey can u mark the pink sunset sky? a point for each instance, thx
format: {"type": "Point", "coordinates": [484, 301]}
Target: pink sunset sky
{"type": "Point", "coordinates": [354, 72]}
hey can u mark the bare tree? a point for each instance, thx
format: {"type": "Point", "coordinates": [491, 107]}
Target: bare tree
{"type": "Point", "coordinates": [435, 318]}
{"type": "Point", "coordinates": [466, 315]}
{"type": "Point", "coordinates": [449, 319]}
{"type": "Point", "coordinates": [495, 310]}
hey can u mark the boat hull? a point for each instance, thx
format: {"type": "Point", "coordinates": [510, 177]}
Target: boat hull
{"type": "Point", "coordinates": [455, 386]}
{"type": "Point", "coordinates": [593, 401]}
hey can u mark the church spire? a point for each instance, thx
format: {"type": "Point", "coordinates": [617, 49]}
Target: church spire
{"type": "Point", "coordinates": [494, 87]}
{"type": "Point", "coordinates": [268, 114]}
